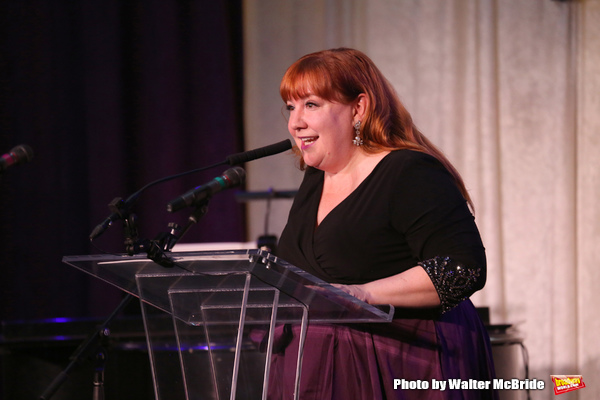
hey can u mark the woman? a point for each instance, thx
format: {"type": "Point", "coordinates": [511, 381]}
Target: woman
{"type": "Point", "coordinates": [384, 216]}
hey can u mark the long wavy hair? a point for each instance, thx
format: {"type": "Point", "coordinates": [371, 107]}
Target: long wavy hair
{"type": "Point", "coordinates": [340, 75]}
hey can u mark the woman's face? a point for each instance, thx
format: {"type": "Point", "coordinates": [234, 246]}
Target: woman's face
{"type": "Point", "coordinates": [323, 130]}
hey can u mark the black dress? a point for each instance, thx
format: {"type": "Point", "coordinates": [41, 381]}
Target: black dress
{"type": "Point", "coordinates": [407, 212]}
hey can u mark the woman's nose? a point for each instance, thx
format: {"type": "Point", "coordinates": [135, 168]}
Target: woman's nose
{"type": "Point", "coordinates": [296, 121]}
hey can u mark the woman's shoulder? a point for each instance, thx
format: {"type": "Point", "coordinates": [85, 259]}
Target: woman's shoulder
{"type": "Point", "coordinates": [419, 174]}
{"type": "Point", "coordinates": [407, 160]}
{"type": "Point", "coordinates": [408, 154]}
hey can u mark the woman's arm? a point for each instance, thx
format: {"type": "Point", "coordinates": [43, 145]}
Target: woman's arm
{"type": "Point", "coordinates": [434, 219]}
{"type": "Point", "coordinates": [435, 282]}
{"type": "Point", "coordinates": [411, 288]}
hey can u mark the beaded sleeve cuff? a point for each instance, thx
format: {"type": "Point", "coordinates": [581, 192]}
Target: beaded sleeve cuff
{"type": "Point", "coordinates": [453, 282]}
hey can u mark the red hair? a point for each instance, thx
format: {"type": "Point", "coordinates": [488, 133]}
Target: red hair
{"type": "Point", "coordinates": [340, 75]}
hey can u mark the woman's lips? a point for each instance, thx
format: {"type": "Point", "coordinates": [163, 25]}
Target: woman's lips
{"type": "Point", "coordinates": [308, 141]}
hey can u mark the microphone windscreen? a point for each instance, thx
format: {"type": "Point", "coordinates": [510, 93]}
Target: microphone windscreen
{"type": "Point", "coordinates": [236, 176]}
{"type": "Point", "coordinates": [261, 152]}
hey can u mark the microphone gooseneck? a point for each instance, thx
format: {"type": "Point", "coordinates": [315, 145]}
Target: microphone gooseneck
{"type": "Point", "coordinates": [231, 178]}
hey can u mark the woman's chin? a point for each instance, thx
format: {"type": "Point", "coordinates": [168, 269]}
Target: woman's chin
{"type": "Point", "coordinates": [311, 162]}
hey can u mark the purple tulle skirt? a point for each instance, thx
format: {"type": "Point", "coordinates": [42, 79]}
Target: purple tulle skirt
{"type": "Point", "coordinates": [409, 358]}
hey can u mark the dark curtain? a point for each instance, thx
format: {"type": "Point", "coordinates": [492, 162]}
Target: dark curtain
{"type": "Point", "coordinates": [111, 95]}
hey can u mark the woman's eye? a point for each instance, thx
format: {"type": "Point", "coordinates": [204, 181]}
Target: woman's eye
{"type": "Point", "coordinates": [310, 104]}
{"type": "Point", "coordinates": [289, 107]}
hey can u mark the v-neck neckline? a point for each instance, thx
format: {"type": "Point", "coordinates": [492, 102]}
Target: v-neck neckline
{"type": "Point", "coordinates": [353, 193]}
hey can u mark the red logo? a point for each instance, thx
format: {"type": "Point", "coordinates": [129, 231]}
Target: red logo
{"type": "Point", "coordinates": [567, 383]}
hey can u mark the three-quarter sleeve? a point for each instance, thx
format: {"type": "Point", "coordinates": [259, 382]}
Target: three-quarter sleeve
{"type": "Point", "coordinates": [430, 211]}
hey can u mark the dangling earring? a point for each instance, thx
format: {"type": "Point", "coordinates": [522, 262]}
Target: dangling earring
{"type": "Point", "coordinates": [357, 140]}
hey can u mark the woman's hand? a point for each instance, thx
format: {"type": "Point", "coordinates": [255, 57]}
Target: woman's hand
{"type": "Point", "coordinates": [357, 291]}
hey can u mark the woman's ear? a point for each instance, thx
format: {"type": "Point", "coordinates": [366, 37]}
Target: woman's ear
{"type": "Point", "coordinates": [361, 105]}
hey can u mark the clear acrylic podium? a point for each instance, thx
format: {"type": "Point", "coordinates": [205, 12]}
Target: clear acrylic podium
{"type": "Point", "coordinates": [210, 320]}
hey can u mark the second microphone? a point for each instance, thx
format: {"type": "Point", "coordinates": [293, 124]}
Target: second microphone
{"type": "Point", "coordinates": [231, 178]}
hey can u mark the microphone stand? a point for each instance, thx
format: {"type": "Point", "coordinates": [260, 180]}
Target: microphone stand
{"type": "Point", "coordinates": [96, 343]}
{"type": "Point", "coordinates": [200, 211]}
{"type": "Point", "coordinates": [165, 242]}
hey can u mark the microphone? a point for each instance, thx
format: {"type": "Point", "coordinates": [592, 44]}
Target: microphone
{"type": "Point", "coordinates": [261, 152]}
{"type": "Point", "coordinates": [233, 159]}
{"type": "Point", "coordinates": [18, 155]}
{"type": "Point", "coordinates": [231, 178]}
{"type": "Point", "coordinates": [121, 208]}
